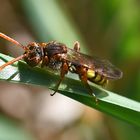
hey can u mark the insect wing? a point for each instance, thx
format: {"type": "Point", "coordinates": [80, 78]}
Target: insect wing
{"type": "Point", "coordinates": [105, 68]}
{"type": "Point", "coordinates": [102, 67]}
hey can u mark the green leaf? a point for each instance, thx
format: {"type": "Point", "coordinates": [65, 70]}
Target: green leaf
{"type": "Point", "coordinates": [109, 102]}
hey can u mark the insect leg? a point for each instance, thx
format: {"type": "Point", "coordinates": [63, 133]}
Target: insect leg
{"type": "Point", "coordinates": [44, 61]}
{"type": "Point", "coordinates": [12, 40]}
{"type": "Point", "coordinates": [76, 46]}
{"type": "Point", "coordinates": [64, 71]}
{"type": "Point", "coordinates": [83, 77]}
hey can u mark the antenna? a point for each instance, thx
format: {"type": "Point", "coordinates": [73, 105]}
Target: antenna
{"type": "Point", "coordinates": [12, 61]}
{"type": "Point", "coordinates": [16, 43]}
{"type": "Point", "coordinates": [13, 41]}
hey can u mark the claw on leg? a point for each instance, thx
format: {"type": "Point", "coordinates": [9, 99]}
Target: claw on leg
{"type": "Point", "coordinates": [57, 86]}
{"type": "Point", "coordinates": [53, 93]}
{"type": "Point", "coordinates": [90, 91]}
{"type": "Point", "coordinates": [83, 77]}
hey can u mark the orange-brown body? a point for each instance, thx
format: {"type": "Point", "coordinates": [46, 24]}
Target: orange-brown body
{"type": "Point", "coordinates": [58, 56]}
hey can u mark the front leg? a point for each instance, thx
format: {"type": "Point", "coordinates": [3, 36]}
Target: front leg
{"type": "Point", "coordinates": [63, 72]}
{"type": "Point", "coordinates": [45, 61]}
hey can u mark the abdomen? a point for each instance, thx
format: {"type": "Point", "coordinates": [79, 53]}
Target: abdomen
{"type": "Point", "coordinates": [97, 78]}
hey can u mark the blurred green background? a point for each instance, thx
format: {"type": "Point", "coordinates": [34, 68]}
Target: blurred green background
{"type": "Point", "coordinates": [108, 29]}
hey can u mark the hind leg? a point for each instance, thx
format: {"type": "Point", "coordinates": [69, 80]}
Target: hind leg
{"type": "Point", "coordinates": [83, 77]}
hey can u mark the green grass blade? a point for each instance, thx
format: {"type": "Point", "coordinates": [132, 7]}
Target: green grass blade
{"type": "Point", "coordinates": [110, 103]}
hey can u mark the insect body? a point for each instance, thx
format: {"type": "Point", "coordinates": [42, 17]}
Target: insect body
{"type": "Point", "coordinates": [58, 56]}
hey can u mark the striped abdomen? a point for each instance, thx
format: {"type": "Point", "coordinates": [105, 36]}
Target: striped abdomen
{"type": "Point", "coordinates": [96, 77]}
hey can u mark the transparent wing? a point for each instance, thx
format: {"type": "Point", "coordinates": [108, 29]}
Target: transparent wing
{"type": "Point", "coordinates": [102, 67]}
{"type": "Point", "coordinates": [105, 68]}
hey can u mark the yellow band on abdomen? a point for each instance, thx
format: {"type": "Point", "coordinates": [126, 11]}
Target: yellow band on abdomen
{"type": "Point", "coordinates": [96, 77]}
{"type": "Point", "coordinates": [90, 73]}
